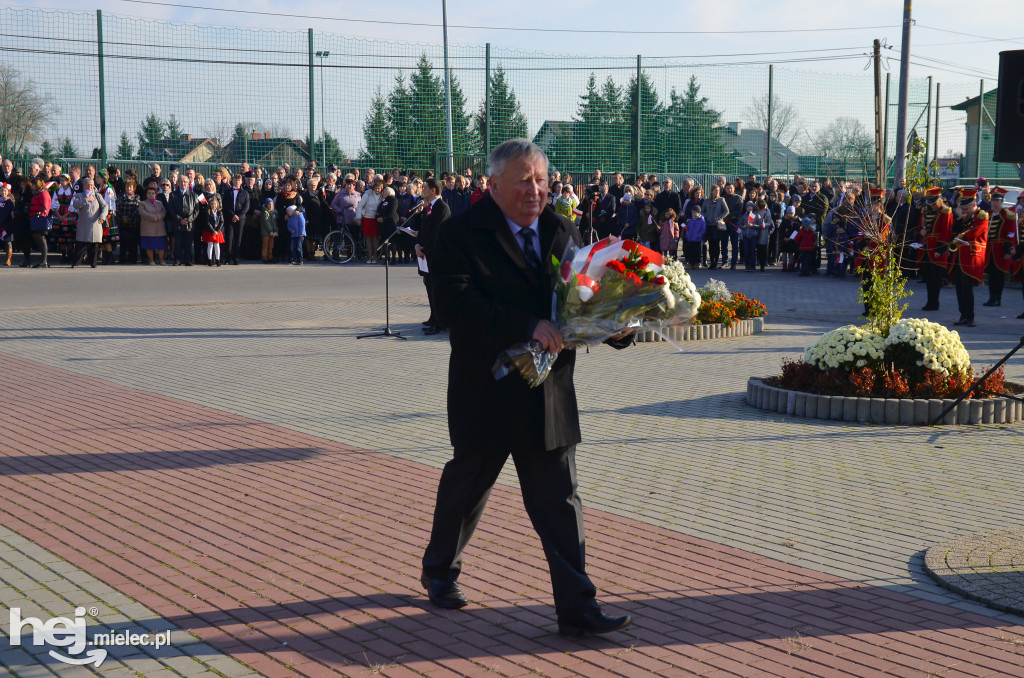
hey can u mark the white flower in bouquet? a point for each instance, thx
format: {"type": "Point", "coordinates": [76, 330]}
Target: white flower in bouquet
{"type": "Point", "coordinates": [680, 289]}
{"type": "Point", "coordinates": [845, 347]}
{"type": "Point", "coordinates": [941, 350]}
{"type": "Point", "coordinates": [715, 290]}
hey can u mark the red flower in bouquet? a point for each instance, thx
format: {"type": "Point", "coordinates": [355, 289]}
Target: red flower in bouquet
{"type": "Point", "coordinates": [633, 278]}
{"type": "Point", "coordinates": [617, 266]}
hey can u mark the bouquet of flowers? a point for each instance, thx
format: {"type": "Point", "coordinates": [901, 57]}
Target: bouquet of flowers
{"type": "Point", "coordinates": [601, 290]}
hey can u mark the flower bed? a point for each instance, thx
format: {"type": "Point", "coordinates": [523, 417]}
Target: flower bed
{"type": "Point", "coordinates": [738, 328]}
{"type": "Point", "coordinates": [721, 315]}
{"type": "Point", "coordinates": [906, 411]}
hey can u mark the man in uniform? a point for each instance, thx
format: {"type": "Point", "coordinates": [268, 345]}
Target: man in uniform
{"type": "Point", "coordinates": [936, 224]}
{"type": "Point", "coordinates": [967, 252]}
{"type": "Point", "coordinates": [1002, 235]}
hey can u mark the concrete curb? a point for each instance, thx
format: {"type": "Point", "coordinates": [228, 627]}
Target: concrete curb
{"type": "Point", "coordinates": [739, 328]}
{"type": "Point", "coordinates": [896, 411]}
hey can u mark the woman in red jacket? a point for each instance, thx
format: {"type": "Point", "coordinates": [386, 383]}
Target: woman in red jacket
{"type": "Point", "coordinates": [39, 218]}
{"type": "Point", "coordinates": [805, 244]}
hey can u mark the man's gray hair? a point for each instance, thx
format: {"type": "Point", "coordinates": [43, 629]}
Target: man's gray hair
{"type": "Point", "coordinates": [512, 150]}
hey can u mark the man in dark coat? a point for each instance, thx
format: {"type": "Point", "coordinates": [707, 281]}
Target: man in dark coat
{"type": "Point", "coordinates": [184, 208]}
{"type": "Point", "coordinates": [236, 210]}
{"type": "Point", "coordinates": [493, 283]}
{"type": "Point", "coordinates": [435, 213]}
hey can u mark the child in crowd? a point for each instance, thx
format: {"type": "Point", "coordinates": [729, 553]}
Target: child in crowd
{"type": "Point", "coordinates": [213, 231]}
{"type": "Point", "coordinates": [297, 231]}
{"type": "Point", "coordinates": [669, 234]}
{"type": "Point", "coordinates": [806, 240]}
{"type": "Point", "coordinates": [694, 236]}
{"type": "Point", "coordinates": [268, 230]}
{"type": "Point", "coordinates": [789, 228]}
{"type": "Point", "coordinates": [647, 225]}
{"type": "Point", "coordinates": [7, 221]}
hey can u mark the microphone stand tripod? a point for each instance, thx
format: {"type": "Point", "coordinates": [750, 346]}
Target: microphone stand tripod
{"type": "Point", "coordinates": [387, 331]}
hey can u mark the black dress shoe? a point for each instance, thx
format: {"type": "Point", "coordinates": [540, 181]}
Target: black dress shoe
{"type": "Point", "coordinates": [970, 323]}
{"type": "Point", "coordinates": [1021, 316]}
{"type": "Point", "coordinates": [444, 594]}
{"type": "Point", "coordinates": [992, 302]}
{"type": "Point", "coordinates": [929, 308]}
{"type": "Point", "coordinates": [430, 330]}
{"type": "Point", "coordinates": [593, 622]}
{"type": "Point", "coordinates": [962, 321]}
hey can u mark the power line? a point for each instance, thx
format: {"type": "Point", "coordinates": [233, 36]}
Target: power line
{"type": "Point", "coordinates": [501, 28]}
{"type": "Point", "coordinates": [1017, 41]}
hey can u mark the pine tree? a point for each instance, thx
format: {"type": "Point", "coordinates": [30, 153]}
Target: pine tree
{"type": "Point", "coordinates": [586, 132]}
{"type": "Point", "coordinates": [399, 120]}
{"type": "Point", "coordinates": [125, 150]}
{"type": "Point", "coordinates": [652, 120]}
{"type": "Point", "coordinates": [692, 142]}
{"type": "Point", "coordinates": [151, 135]}
{"type": "Point", "coordinates": [376, 137]}
{"type": "Point", "coordinates": [47, 151]}
{"type": "Point", "coordinates": [67, 149]}
{"type": "Point", "coordinates": [616, 136]}
{"type": "Point", "coordinates": [464, 138]}
{"type": "Point", "coordinates": [507, 120]}
{"type": "Point", "coordinates": [426, 92]}
{"type": "Point", "coordinates": [174, 131]}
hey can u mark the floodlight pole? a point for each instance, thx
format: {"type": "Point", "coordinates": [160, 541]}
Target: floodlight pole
{"type": "Point", "coordinates": [450, 161]}
{"type": "Point", "coordinates": [901, 113]}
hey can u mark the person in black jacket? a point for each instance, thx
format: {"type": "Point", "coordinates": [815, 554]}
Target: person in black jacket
{"type": "Point", "coordinates": [492, 289]}
{"type": "Point", "coordinates": [236, 211]}
{"type": "Point", "coordinates": [318, 215]}
{"type": "Point", "coordinates": [435, 213]}
{"type": "Point", "coordinates": [183, 206]}
{"type": "Point", "coordinates": [668, 199]}
{"type": "Point", "coordinates": [406, 202]}
{"type": "Point", "coordinates": [387, 220]}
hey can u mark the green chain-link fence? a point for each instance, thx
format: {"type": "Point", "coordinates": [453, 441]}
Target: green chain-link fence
{"type": "Point", "coordinates": [191, 94]}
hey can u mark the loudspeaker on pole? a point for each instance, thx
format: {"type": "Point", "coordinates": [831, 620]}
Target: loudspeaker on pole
{"type": "Point", "coordinates": [1009, 138]}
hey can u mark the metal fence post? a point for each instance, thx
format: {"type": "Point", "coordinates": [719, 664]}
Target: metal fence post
{"type": "Point", "coordinates": [935, 145]}
{"type": "Point", "coordinates": [312, 101]}
{"type": "Point", "coordinates": [981, 120]}
{"type": "Point", "coordinates": [885, 134]}
{"type": "Point", "coordinates": [487, 103]}
{"type": "Point", "coordinates": [928, 120]}
{"type": "Point", "coordinates": [103, 99]}
{"type": "Point", "coordinates": [638, 118]}
{"type": "Point", "coordinates": [768, 136]}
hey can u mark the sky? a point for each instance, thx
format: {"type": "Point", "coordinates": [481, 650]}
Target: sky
{"type": "Point", "coordinates": [955, 46]}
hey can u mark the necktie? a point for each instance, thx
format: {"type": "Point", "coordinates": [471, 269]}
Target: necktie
{"type": "Point", "coordinates": [530, 254]}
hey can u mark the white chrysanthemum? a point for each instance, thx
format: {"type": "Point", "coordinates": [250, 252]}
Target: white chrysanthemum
{"type": "Point", "coordinates": [845, 347]}
{"type": "Point", "coordinates": [715, 290]}
{"type": "Point", "coordinates": [682, 288]}
{"type": "Point", "coordinates": [941, 350]}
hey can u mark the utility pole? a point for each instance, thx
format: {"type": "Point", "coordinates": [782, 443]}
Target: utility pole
{"type": "Point", "coordinates": [768, 135]}
{"type": "Point", "coordinates": [323, 111]}
{"type": "Point", "coordinates": [901, 112]}
{"type": "Point", "coordinates": [450, 161]}
{"type": "Point", "coordinates": [876, 57]}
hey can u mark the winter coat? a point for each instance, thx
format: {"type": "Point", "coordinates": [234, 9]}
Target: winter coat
{"type": "Point", "coordinates": [367, 207]}
{"type": "Point", "coordinates": [345, 206]}
{"type": "Point", "coordinates": [152, 217]}
{"type": "Point", "coordinates": [695, 229]}
{"type": "Point", "coordinates": [627, 215]}
{"type": "Point", "coordinates": [713, 211]}
{"type": "Point", "coordinates": [765, 216]}
{"type": "Point", "coordinates": [92, 217]}
{"type": "Point", "coordinates": [39, 206]}
{"type": "Point", "coordinates": [647, 228]}
{"type": "Point", "coordinates": [669, 234]}
{"type": "Point", "coordinates": [268, 223]}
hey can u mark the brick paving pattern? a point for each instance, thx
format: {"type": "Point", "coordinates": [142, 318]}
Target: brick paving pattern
{"type": "Point", "coordinates": [283, 474]}
{"type": "Point", "coordinates": [987, 567]}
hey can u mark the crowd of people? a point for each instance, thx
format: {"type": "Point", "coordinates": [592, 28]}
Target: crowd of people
{"type": "Point", "coordinates": [282, 215]}
{"type": "Point", "coordinates": [180, 217]}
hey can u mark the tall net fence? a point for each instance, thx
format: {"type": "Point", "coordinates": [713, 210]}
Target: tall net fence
{"type": "Point", "coordinates": [193, 94]}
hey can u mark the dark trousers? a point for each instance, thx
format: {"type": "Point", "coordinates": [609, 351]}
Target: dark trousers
{"type": "Point", "coordinates": [750, 253]}
{"type": "Point", "coordinates": [933, 276]}
{"type": "Point", "coordinates": [734, 238]}
{"type": "Point", "coordinates": [184, 247]}
{"type": "Point", "coordinates": [715, 247]}
{"type": "Point", "coordinates": [39, 238]}
{"type": "Point", "coordinates": [83, 247]}
{"type": "Point", "coordinates": [129, 244]}
{"type": "Point", "coordinates": [548, 482]}
{"type": "Point", "coordinates": [432, 321]}
{"type": "Point", "coordinates": [232, 240]}
{"type": "Point", "coordinates": [762, 256]}
{"type": "Point", "coordinates": [996, 282]}
{"type": "Point", "coordinates": [964, 292]}
{"type": "Point", "coordinates": [691, 251]}
{"type": "Point", "coordinates": [806, 262]}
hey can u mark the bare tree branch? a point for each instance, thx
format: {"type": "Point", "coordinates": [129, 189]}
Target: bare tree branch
{"type": "Point", "coordinates": [786, 123]}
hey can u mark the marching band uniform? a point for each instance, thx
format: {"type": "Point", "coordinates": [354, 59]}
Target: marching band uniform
{"type": "Point", "coordinates": [936, 226]}
{"type": "Point", "coordinates": [1002, 235]}
{"type": "Point", "coordinates": [967, 261]}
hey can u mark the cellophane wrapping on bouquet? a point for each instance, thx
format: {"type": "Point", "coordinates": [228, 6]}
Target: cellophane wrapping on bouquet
{"type": "Point", "coordinates": [601, 290]}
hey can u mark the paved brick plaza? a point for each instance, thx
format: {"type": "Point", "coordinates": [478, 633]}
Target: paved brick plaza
{"type": "Point", "coordinates": [213, 453]}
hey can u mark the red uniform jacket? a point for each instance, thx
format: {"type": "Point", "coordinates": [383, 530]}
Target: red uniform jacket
{"type": "Point", "coordinates": [941, 233]}
{"type": "Point", "coordinates": [971, 257]}
{"type": "Point", "coordinates": [1002, 235]}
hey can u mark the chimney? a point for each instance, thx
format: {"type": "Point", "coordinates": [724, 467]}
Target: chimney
{"type": "Point", "coordinates": [735, 127]}
{"type": "Point", "coordinates": [186, 137]}
{"type": "Point", "coordinates": [256, 136]}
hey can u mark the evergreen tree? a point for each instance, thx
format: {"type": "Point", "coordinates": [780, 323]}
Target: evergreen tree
{"type": "Point", "coordinates": [376, 135]}
{"type": "Point", "coordinates": [399, 121]}
{"type": "Point", "coordinates": [151, 134]}
{"type": "Point", "coordinates": [125, 150]}
{"type": "Point", "coordinates": [586, 132]}
{"type": "Point", "coordinates": [506, 120]}
{"type": "Point", "coordinates": [426, 92]}
{"type": "Point", "coordinates": [464, 138]}
{"type": "Point", "coordinates": [334, 154]}
{"type": "Point", "coordinates": [616, 137]}
{"type": "Point", "coordinates": [174, 130]}
{"type": "Point", "coordinates": [47, 151]}
{"type": "Point", "coordinates": [67, 149]}
{"type": "Point", "coordinates": [692, 142]}
{"type": "Point", "coordinates": [652, 123]}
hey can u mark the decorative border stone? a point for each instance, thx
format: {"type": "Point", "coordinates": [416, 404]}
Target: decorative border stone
{"type": "Point", "coordinates": [897, 411]}
{"type": "Point", "coordinates": [739, 328]}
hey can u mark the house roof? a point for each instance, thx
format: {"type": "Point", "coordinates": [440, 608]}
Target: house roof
{"type": "Point", "coordinates": [178, 148]}
{"type": "Point", "coordinates": [990, 101]}
{"type": "Point", "coordinates": [259, 148]}
{"type": "Point", "coordinates": [748, 147]}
